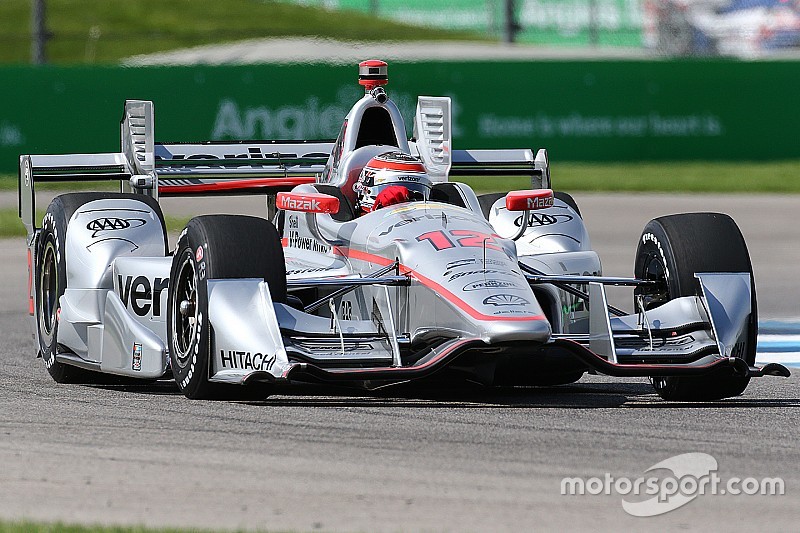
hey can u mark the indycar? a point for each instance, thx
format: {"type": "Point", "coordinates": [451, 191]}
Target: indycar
{"type": "Point", "coordinates": [499, 289]}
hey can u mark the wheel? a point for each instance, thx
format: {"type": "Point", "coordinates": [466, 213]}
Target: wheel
{"type": "Point", "coordinates": [486, 202]}
{"type": "Point", "coordinates": [51, 278]}
{"type": "Point", "coordinates": [50, 272]}
{"type": "Point", "coordinates": [671, 250]}
{"type": "Point", "coordinates": [569, 200]}
{"type": "Point", "coordinates": [215, 247]}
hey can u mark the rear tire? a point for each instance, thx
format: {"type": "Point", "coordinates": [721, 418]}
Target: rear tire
{"type": "Point", "coordinates": [486, 202]}
{"type": "Point", "coordinates": [569, 200]}
{"type": "Point", "coordinates": [215, 247]}
{"type": "Point", "coordinates": [672, 249]}
{"type": "Point", "coordinates": [51, 281]}
{"type": "Point", "coordinates": [51, 278]}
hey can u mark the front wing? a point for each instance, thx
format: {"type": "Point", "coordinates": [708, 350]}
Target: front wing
{"type": "Point", "coordinates": [686, 336]}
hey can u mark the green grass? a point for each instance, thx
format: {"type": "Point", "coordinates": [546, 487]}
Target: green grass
{"type": "Point", "coordinates": [769, 177]}
{"type": "Point", "coordinates": [739, 177]}
{"type": "Point", "coordinates": [10, 224]}
{"type": "Point", "coordinates": [105, 31]}
{"type": "Point", "coordinates": [9, 183]}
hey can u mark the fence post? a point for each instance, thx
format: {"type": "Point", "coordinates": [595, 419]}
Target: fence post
{"type": "Point", "coordinates": [38, 32]}
{"type": "Point", "coordinates": [594, 34]}
{"type": "Point", "coordinates": [510, 27]}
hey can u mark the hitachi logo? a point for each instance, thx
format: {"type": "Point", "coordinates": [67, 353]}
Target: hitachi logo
{"type": "Point", "coordinates": [246, 360]}
{"type": "Point", "coordinates": [299, 204]}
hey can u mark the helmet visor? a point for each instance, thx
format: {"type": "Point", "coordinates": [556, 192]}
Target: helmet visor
{"type": "Point", "coordinates": [416, 191]}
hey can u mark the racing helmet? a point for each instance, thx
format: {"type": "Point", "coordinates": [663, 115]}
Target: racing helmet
{"type": "Point", "coordinates": [391, 169]}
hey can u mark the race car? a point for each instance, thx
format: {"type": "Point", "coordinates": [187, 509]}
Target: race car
{"type": "Point", "coordinates": [329, 287]}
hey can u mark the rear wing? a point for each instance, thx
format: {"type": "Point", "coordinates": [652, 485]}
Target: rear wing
{"type": "Point", "coordinates": [503, 163]}
{"type": "Point", "coordinates": [262, 167]}
{"type": "Point", "coordinates": [175, 169]}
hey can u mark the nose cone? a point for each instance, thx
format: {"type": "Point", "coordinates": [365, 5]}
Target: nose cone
{"type": "Point", "coordinates": [534, 331]}
{"type": "Point", "coordinates": [492, 302]}
{"type": "Point", "coordinates": [467, 280]}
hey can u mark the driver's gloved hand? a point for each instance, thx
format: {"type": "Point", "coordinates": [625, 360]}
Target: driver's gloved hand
{"type": "Point", "coordinates": [394, 194]}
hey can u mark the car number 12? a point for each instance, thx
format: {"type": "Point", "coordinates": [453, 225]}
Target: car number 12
{"type": "Point", "coordinates": [441, 240]}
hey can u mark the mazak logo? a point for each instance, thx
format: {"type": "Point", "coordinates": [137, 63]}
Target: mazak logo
{"type": "Point", "coordinates": [540, 202]}
{"type": "Point", "coordinates": [689, 475]}
{"type": "Point", "coordinates": [299, 203]}
{"type": "Point", "coordinates": [106, 224]}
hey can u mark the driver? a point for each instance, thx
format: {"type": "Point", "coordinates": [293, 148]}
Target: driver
{"type": "Point", "coordinates": [391, 178]}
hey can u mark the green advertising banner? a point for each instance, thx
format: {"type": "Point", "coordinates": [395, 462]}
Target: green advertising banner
{"type": "Point", "coordinates": [580, 111]}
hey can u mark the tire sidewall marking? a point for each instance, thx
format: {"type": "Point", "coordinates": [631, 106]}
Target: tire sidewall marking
{"type": "Point", "coordinates": [48, 233]}
{"type": "Point", "coordinates": [187, 375]}
{"type": "Point", "coordinates": [649, 239]}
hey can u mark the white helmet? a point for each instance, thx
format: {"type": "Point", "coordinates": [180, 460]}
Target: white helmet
{"type": "Point", "coordinates": [391, 168]}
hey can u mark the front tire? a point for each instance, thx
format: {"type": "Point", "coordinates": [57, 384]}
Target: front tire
{"type": "Point", "coordinates": [215, 247]}
{"type": "Point", "coordinates": [671, 250]}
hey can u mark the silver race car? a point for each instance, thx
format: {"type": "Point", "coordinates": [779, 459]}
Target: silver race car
{"type": "Point", "coordinates": [327, 287]}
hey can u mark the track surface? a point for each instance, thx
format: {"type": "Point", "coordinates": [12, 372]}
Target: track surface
{"type": "Point", "coordinates": [405, 460]}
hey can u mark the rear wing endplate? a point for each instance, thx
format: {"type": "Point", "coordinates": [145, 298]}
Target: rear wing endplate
{"type": "Point", "coordinates": [433, 134]}
{"type": "Point", "coordinates": [137, 134]}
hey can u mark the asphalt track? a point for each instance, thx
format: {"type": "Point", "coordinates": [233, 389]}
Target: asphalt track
{"type": "Point", "coordinates": [469, 460]}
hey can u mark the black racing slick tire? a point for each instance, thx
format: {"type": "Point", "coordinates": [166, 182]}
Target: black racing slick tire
{"type": "Point", "coordinates": [486, 202]}
{"type": "Point", "coordinates": [672, 249]}
{"type": "Point", "coordinates": [215, 247]}
{"type": "Point", "coordinates": [569, 200]}
{"type": "Point", "coordinates": [50, 279]}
